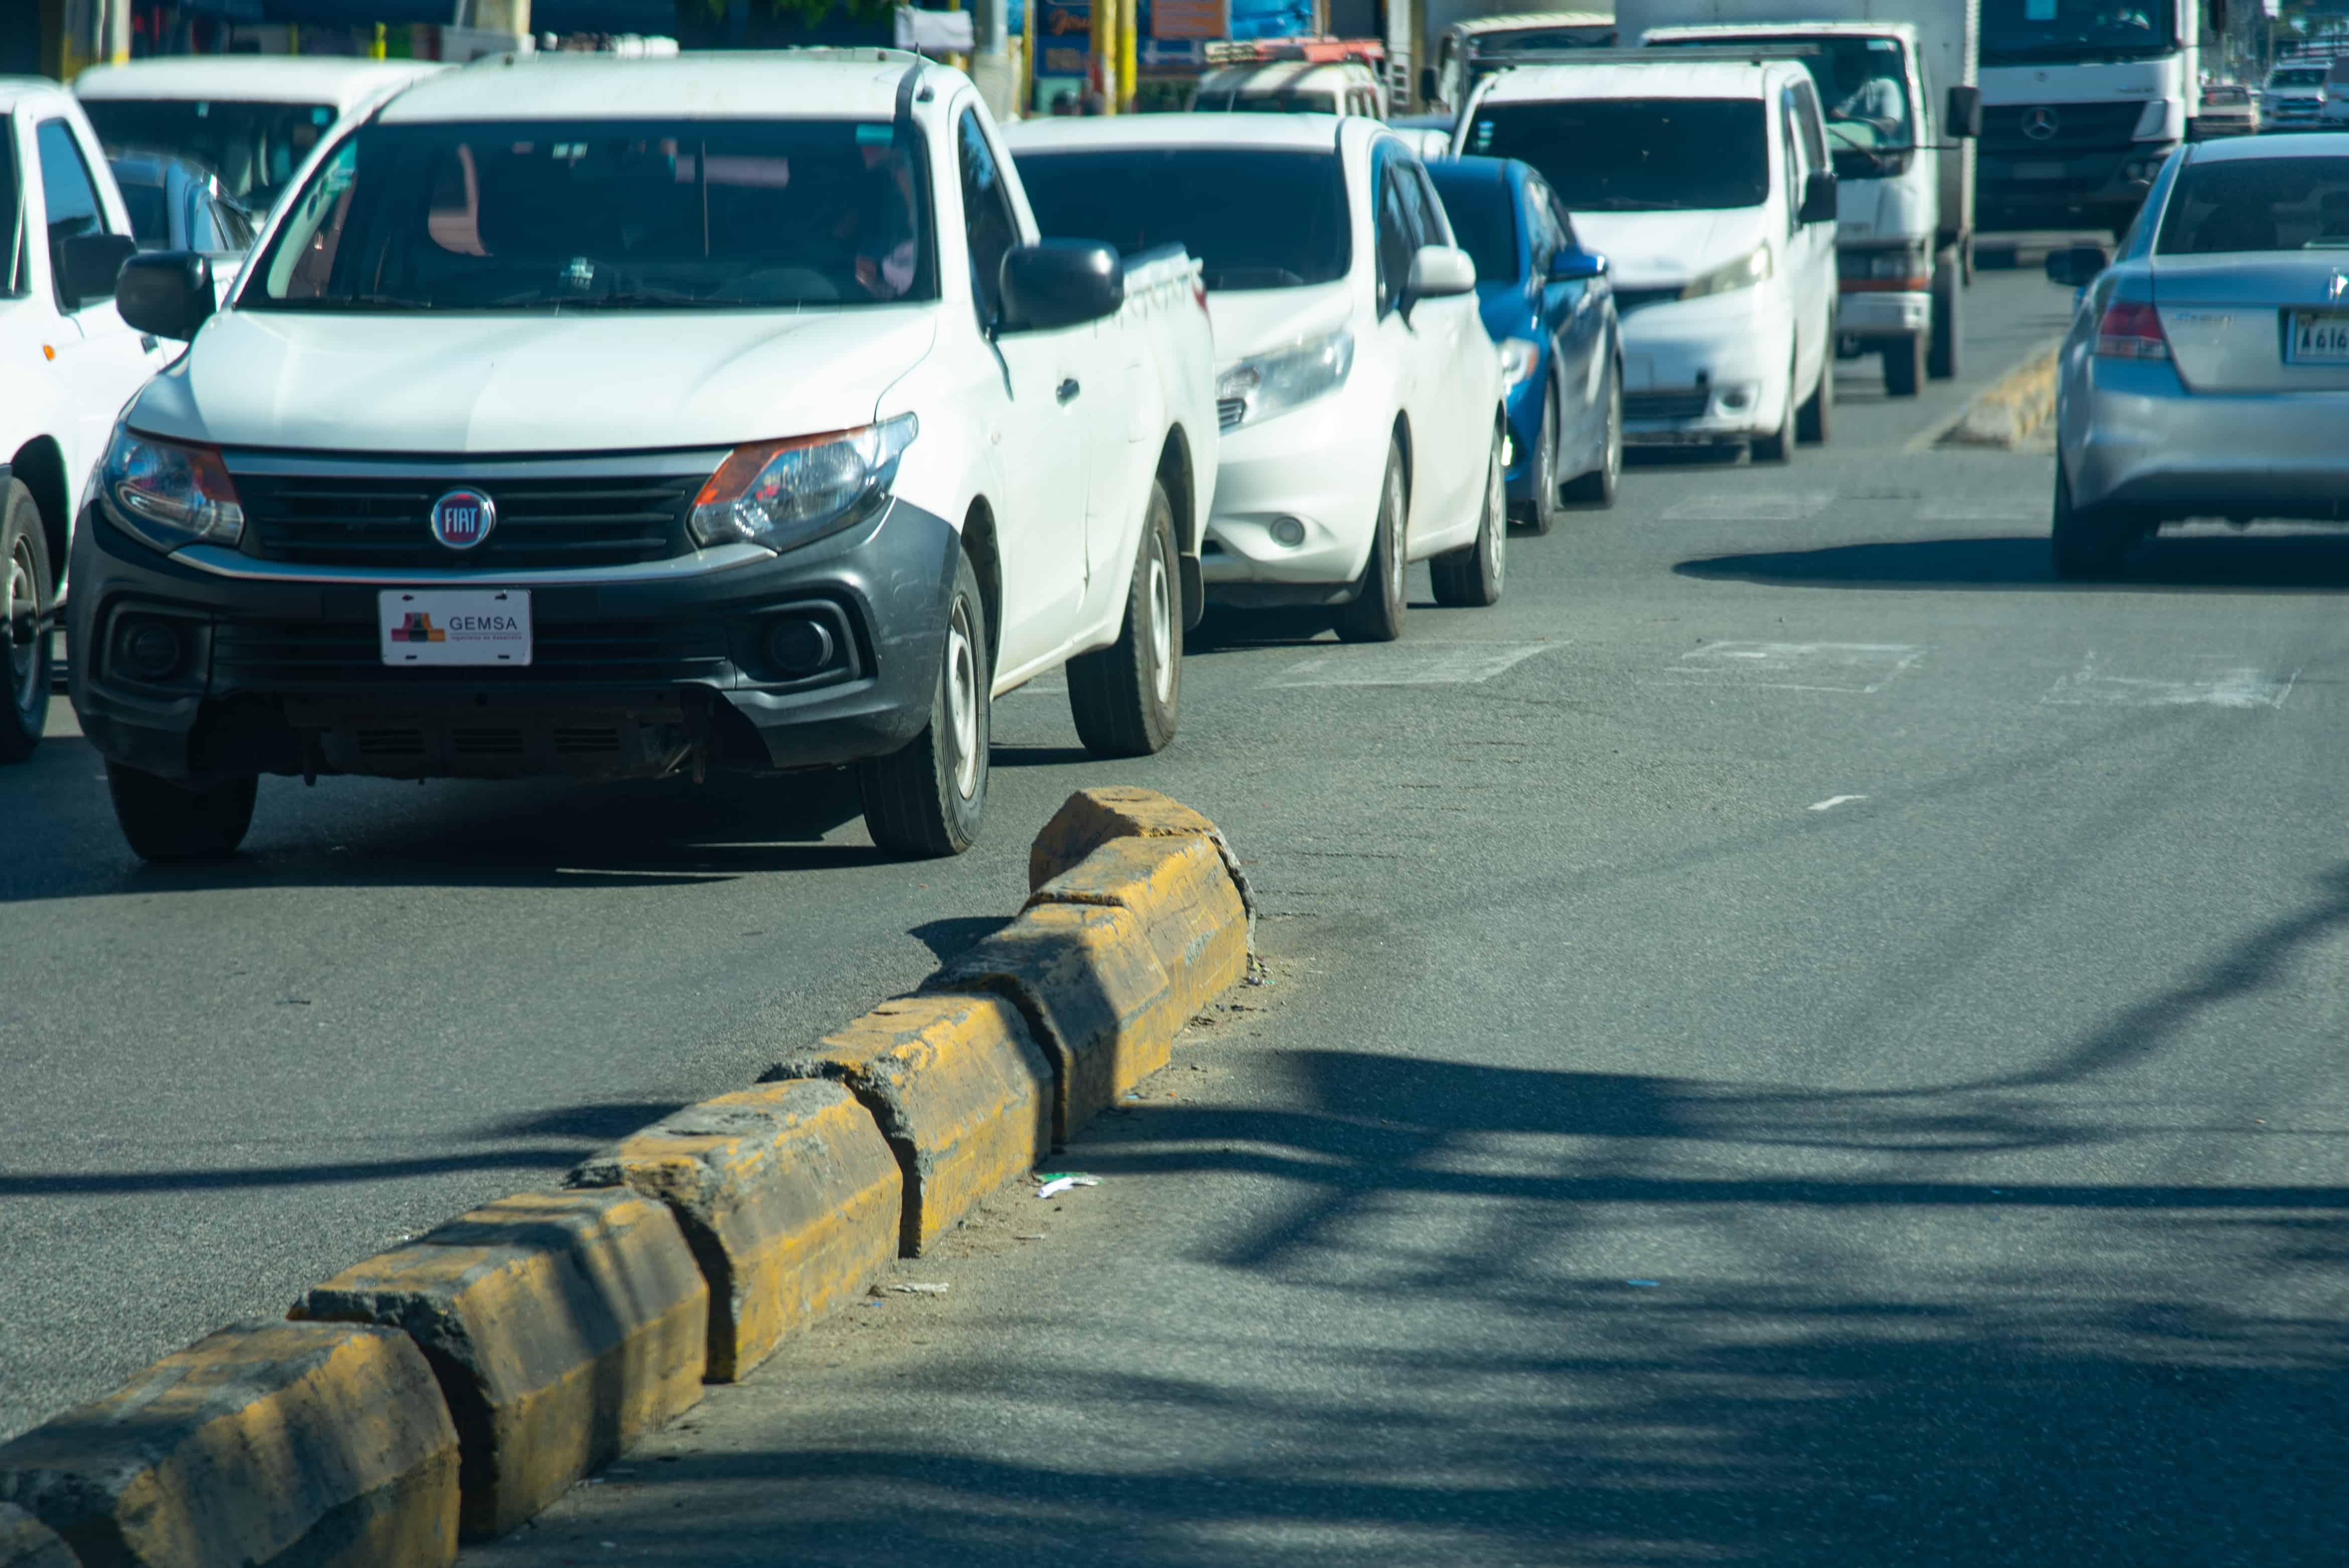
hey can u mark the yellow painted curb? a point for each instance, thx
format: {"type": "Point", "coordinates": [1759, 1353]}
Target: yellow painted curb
{"type": "Point", "coordinates": [1190, 912]}
{"type": "Point", "coordinates": [1085, 979]}
{"type": "Point", "coordinates": [562, 1326]}
{"type": "Point", "coordinates": [960, 1090]}
{"type": "Point", "coordinates": [1093, 818]}
{"type": "Point", "coordinates": [265, 1443]}
{"type": "Point", "coordinates": [26, 1542]}
{"type": "Point", "coordinates": [2009, 411]}
{"type": "Point", "coordinates": [789, 1196]}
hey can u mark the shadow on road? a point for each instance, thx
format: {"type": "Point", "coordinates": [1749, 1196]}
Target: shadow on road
{"type": "Point", "coordinates": [2200, 562]}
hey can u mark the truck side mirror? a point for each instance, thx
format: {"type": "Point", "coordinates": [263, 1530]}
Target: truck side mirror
{"type": "Point", "coordinates": [1818, 200]}
{"type": "Point", "coordinates": [1965, 117]}
{"type": "Point", "coordinates": [1427, 83]}
{"type": "Point", "coordinates": [86, 265]}
{"type": "Point", "coordinates": [167, 292]}
{"type": "Point", "coordinates": [2076, 266]}
{"type": "Point", "coordinates": [1060, 283]}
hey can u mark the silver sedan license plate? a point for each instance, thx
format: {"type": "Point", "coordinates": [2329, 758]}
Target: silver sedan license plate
{"type": "Point", "coordinates": [454, 625]}
{"type": "Point", "coordinates": [2319, 337]}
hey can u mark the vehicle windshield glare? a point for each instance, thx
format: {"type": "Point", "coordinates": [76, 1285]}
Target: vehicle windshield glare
{"type": "Point", "coordinates": [1242, 101]}
{"type": "Point", "coordinates": [2256, 204]}
{"type": "Point", "coordinates": [1484, 224]}
{"type": "Point", "coordinates": [1863, 86]}
{"type": "Point", "coordinates": [2297, 77]}
{"type": "Point", "coordinates": [1636, 155]}
{"type": "Point", "coordinates": [254, 148]}
{"type": "Point", "coordinates": [2016, 32]}
{"type": "Point", "coordinates": [619, 214]}
{"type": "Point", "coordinates": [1256, 217]}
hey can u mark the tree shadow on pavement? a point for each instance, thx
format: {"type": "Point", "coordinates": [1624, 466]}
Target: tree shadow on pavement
{"type": "Point", "coordinates": [2200, 563]}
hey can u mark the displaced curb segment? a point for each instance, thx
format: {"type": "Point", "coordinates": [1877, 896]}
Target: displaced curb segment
{"type": "Point", "coordinates": [2010, 411]}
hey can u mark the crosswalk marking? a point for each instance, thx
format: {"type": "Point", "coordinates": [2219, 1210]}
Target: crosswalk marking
{"type": "Point", "coordinates": [1409, 664]}
{"type": "Point", "coordinates": [1751, 506]}
{"type": "Point", "coordinates": [1864, 669]}
{"type": "Point", "coordinates": [2215, 680]}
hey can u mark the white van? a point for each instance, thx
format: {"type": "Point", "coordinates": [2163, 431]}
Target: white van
{"type": "Point", "coordinates": [1707, 184]}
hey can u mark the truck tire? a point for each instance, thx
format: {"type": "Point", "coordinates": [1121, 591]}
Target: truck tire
{"type": "Point", "coordinates": [2087, 543]}
{"type": "Point", "coordinates": [1904, 366]}
{"type": "Point", "coordinates": [1124, 697]}
{"type": "Point", "coordinates": [1377, 611]}
{"type": "Point", "coordinates": [169, 822]}
{"type": "Point", "coordinates": [1949, 318]}
{"type": "Point", "coordinates": [1472, 576]}
{"type": "Point", "coordinates": [25, 580]}
{"type": "Point", "coordinates": [928, 797]}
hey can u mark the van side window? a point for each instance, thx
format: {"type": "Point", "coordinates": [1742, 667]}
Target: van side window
{"type": "Point", "coordinates": [1792, 157]}
{"type": "Point", "coordinates": [1434, 227]}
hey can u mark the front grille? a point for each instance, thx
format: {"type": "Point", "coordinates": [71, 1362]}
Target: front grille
{"type": "Point", "coordinates": [1230, 411]}
{"type": "Point", "coordinates": [1688, 405]}
{"type": "Point", "coordinates": [1629, 300]}
{"type": "Point", "coordinates": [316, 656]}
{"type": "Point", "coordinates": [382, 521]}
{"type": "Point", "coordinates": [2079, 127]}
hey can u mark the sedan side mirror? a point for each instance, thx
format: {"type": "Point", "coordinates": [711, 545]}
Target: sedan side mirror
{"type": "Point", "coordinates": [167, 292]}
{"type": "Point", "coordinates": [2076, 266]}
{"type": "Point", "coordinates": [1965, 119]}
{"type": "Point", "coordinates": [1060, 283]}
{"type": "Point", "coordinates": [1569, 265]}
{"type": "Point", "coordinates": [86, 265]}
{"type": "Point", "coordinates": [1818, 200]}
{"type": "Point", "coordinates": [1439, 272]}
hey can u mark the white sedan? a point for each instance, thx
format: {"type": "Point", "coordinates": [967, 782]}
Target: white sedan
{"type": "Point", "coordinates": [1360, 399]}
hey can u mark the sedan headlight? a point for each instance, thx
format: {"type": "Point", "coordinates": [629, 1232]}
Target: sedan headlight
{"type": "Point", "coordinates": [780, 494]}
{"type": "Point", "coordinates": [1744, 272]}
{"type": "Point", "coordinates": [169, 493]}
{"type": "Point", "coordinates": [1519, 359]}
{"type": "Point", "coordinates": [1258, 388]}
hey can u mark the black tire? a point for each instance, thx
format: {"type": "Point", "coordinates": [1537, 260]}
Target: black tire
{"type": "Point", "coordinates": [1780, 448]}
{"type": "Point", "coordinates": [1472, 577]}
{"type": "Point", "coordinates": [1904, 366]}
{"type": "Point", "coordinates": [25, 582]}
{"type": "Point", "coordinates": [1814, 420]}
{"type": "Point", "coordinates": [1376, 614]}
{"type": "Point", "coordinates": [2087, 543]}
{"type": "Point", "coordinates": [1538, 514]}
{"type": "Point", "coordinates": [1948, 317]}
{"type": "Point", "coordinates": [928, 797]}
{"type": "Point", "coordinates": [168, 822]}
{"type": "Point", "coordinates": [1598, 487]}
{"type": "Point", "coordinates": [1124, 697]}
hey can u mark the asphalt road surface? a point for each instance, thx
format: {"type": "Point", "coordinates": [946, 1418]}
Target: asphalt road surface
{"type": "Point", "coordinates": [1798, 1040]}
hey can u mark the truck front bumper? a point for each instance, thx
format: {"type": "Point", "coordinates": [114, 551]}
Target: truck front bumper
{"type": "Point", "coordinates": [1876, 313]}
{"type": "Point", "coordinates": [634, 677]}
{"type": "Point", "coordinates": [2027, 191]}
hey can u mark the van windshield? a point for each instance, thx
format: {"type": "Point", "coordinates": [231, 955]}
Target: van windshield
{"type": "Point", "coordinates": [626, 214]}
{"type": "Point", "coordinates": [2075, 32]}
{"type": "Point", "coordinates": [1636, 155]}
{"type": "Point", "coordinates": [254, 148]}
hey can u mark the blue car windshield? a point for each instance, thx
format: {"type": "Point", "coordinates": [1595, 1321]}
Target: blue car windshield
{"type": "Point", "coordinates": [1484, 222]}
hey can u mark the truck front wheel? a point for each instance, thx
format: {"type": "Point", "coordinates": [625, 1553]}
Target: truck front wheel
{"type": "Point", "coordinates": [1124, 697]}
{"type": "Point", "coordinates": [169, 822]}
{"type": "Point", "coordinates": [928, 797]}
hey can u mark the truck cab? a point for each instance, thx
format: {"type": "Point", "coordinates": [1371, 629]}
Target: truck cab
{"type": "Point", "coordinates": [1474, 48]}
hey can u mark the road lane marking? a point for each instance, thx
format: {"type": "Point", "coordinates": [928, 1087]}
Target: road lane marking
{"type": "Point", "coordinates": [1410, 664]}
{"type": "Point", "coordinates": [2212, 680]}
{"type": "Point", "coordinates": [1733, 507]}
{"type": "Point", "coordinates": [1864, 669]}
{"type": "Point", "coordinates": [1832, 802]}
{"type": "Point", "coordinates": [1957, 509]}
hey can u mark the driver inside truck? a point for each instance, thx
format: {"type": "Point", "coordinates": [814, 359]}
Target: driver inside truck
{"type": "Point", "coordinates": [1880, 101]}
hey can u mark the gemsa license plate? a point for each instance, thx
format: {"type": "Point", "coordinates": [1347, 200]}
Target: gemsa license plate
{"type": "Point", "coordinates": [454, 627]}
{"type": "Point", "coordinates": [2320, 338]}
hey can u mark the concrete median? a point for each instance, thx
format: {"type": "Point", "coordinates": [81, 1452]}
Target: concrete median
{"type": "Point", "coordinates": [789, 1196]}
{"type": "Point", "coordinates": [960, 1089]}
{"type": "Point", "coordinates": [272, 1445]}
{"type": "Point", "coordinates": [562, 1326]}
{"type": "Point", "coordinates": [1093, 818]}
{"type": "Point", "coordinates": [1182, 892]}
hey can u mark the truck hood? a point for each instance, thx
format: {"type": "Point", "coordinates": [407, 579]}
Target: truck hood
{"type": "Point", "coordinates": [1250, 321]}
{"type": "Point", "coordinates": [1656, 250]}
{"type": "Point", "coordinates": [477, 385]}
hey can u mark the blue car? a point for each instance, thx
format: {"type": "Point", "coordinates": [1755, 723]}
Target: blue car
{"type": "Point", "coordinates": [1548, 304]}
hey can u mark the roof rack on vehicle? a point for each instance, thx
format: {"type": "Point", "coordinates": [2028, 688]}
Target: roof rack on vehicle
{"type": "Point", "coordinates": [1658, 54]}
{"type": "Point", "coordinates": [1318, 51]}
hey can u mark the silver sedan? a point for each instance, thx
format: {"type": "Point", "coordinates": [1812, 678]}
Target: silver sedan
{"type": "Point", "coordinates": [2206, 374]}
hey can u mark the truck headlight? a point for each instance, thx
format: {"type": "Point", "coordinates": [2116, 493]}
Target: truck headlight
{"type": "Point", "coordinates": [169, 493]}
{"type": "Point", "coordinates": [784, 493]}
{"type": "Point", "coordinates": [1519, 359]}
{"type": "Point", "coordinates": [1744, 272]}
{"type": "Point", "coordinates": [1287, 378]}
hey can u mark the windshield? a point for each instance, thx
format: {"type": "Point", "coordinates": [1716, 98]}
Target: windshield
{"type": "Point", "coordinates": [2016, 32]}
{"type": "Point", "coordinates": [636, 214]}
{"type": "Point", "coordinates": [254, 148]}
{"type": "Point", "coordinates": [1484, 224]}
{"type": "Point", "coordinates": [1257, 219]}
{"type": "Point", "coordinates": [1864, 85]}
{"type": "Point", "coordinates": [2256, 204]}
{"type": "Point", "coordinates": [1636, 155]}
{"type": "Point", "coordinates": [2298, 76]}
{"type": "Point", "coordinates": [1260, 101]}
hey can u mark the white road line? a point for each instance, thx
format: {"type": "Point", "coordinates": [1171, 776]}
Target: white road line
{"type": "Point", "coordinates": [1410, 664]}
{"type": "Point", "coordinates": [1832, 802]}
{"type": "Point", "coordinates": [2212, 680]}
{"type": "Point", "coordinates": [1053, 685]}
{"type": "Point", "coordinates": [1750, 507]}
{"type": "Point", "coordinates": [1864, 669]}
{"type": "Point", "coordinates": [1957, 509]}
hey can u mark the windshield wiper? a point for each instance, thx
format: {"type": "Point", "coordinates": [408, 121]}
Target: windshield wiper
{"type": "Point", "coordinates": [629, 299]}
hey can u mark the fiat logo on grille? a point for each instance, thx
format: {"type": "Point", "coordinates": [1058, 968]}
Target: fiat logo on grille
{"type": "Point", "coordinates": [2041, 123]}
{"type": "Point", "coordinates": [464, 518]}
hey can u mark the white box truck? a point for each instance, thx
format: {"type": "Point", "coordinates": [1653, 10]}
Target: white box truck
{"type": "Point", "coordinates": [1896, 80]}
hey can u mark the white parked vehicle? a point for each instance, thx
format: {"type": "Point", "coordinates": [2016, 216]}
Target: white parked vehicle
{"type": "Point", "coordinates": [599, 418]}
{"type": "Point", "coordinates": [1291, 87]}
{"type": "Point", "coordinates": [2293, 96]}
{"type": "Point", "coordinates": [249, 118]}
{"type": "Point", "coordinates": [1361, 399]}
{"type": "Point", "coordinates": [1473, 47]}
{"type": "Point", "coordinates": [72, 366]}
{"type": "Point", "coordinates": [1707, 184]}
{"type": "Point", "coordinates": [2336, 112]}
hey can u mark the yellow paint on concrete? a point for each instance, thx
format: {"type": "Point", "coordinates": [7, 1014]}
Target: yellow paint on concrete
{"type": "Point", "coordinates": [262, 1443]}
{"type": "Point", "coordinates": [1178, 887]}
{"type": "Point", "coordinates": [789, 1195]}
{"type": "Point", "coordinates": [1092, 818]}
{"type": "Point", "coordinates": [562, 1326]}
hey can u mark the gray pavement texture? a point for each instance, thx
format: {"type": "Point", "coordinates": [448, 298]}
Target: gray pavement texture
{"type": "Point", "coordinates": [1797, 1039]}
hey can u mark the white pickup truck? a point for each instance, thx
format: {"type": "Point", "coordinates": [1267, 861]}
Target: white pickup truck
{"type": "Point", "coordinates": [603, 418]}
{"type": "Point", "coordinates": [71, 365]}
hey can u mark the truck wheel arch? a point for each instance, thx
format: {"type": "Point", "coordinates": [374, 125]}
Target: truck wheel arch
{"type": "Point", "coordinates": [41, 465]}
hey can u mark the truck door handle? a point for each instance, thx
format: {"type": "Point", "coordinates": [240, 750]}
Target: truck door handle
{"type": "Point", "coordinates": [1067, 389]}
